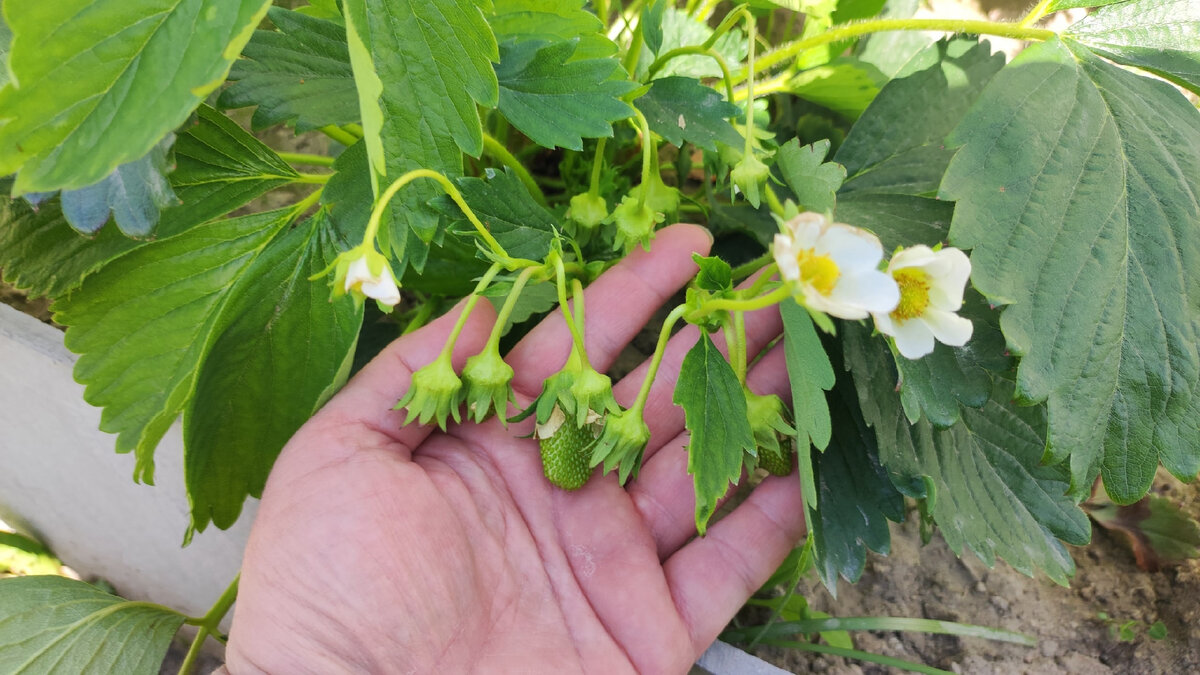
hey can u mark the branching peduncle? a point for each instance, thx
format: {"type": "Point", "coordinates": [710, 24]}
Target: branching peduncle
{"type": "Point", "coordinates": [850, 30]}
{"type": "Point", "coordinates": [741, 305]}
{"type": "Point", "coordinates": [484, 282]}
{"type": "Point", "coordinates": [377, 214]}
{"type": "Point", "coordinates": [507, 308]}
{"type": "Point", "coordinates": [576, 330]}
{"type": "Point", "coordinates": [746, 269]}
{"type": "Point", "coordinates": [495, 149]}
{"type": "Point", "coordinates": [649, 150]}
{"type": "Point", "coordinates": [597, 167]}
{"type": "Point", "coordinates": [737, 346]}
{"type": "Point", "coordinates": [210, 624]}
{"type": "Point", "coordinates": [639, 405]}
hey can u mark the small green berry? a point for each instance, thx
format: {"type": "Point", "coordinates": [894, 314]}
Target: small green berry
{"type": "Point", "coordinates": [566, 451]}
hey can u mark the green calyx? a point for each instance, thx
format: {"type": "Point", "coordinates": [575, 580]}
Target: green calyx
{"type": "Point", "coordinates": [433, 394]}
{"type": "Point", "coordinates": [773, 433]}
{"type": "Point", "coordinates": [591, 391]}
{"type": "Point", "coordinates": [587, 210]}
{"type": "Point", "coordinates": [657, 195]}
{"type": "Point", "coordinates": [622, 444]}
{"type": "Point", "coordinates": [555, 390]}
{"type": "Point", "coordinates": [488, 381]}
{"type": "Point", "coordinates": [635, 223]}
{"type": "Point", "coordinates": [748, 176]}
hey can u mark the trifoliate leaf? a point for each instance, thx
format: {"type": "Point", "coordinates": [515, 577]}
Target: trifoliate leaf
{"type": "Point", "coordinates": [846, 86]}
{"type": "Point", "coordinates": [141, 323]}
{"type": "Point", "coordinates": [897, 146]}
{"type": "Point", "coordinates": [715, 274]}
{"type": "Point", "coordinates": [714, 410]}
{"type": "Point", "coordinates": [1079, 201]}
{"type": "Point", "coordinates": [219, 168]}
{"type": "Point", "coordinates": [51, 624]}
{"type": "Point", "coordinates": [299, 73]}
{"type": "Point", "coordinates": [811, 376]}
{"type": "Point", "coordinates": [938, 383]}
{"type": "Point", "coordinates": [420, 68]}
{"type": "Point", "coordinates": [813, 180]}
{"type": "Point", "coordinates": [1161, 36]}
{"type": "Point", "coordinates": [988, 490]}
{"type": "Point", "coordinates": [97, 83]}
{"type": "Point", "coordinates": [680, 109]}
{"type": "Point", "coordinates": [855, 497]}
{"type": "Point", "coordinates": [279, 349]}
{"type": "Point", "coordinates": [555, 101]}
{"type": "Point", "coordinates": [506, 208]}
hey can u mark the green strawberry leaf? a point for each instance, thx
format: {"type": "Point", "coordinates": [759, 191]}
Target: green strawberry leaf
{"type": "Point", "coordinates": [218, 168]}
{"type": "Point", "coordinates": [551, 21]}
{"type": "Point", "coordinates": [505, 207]}
{"type": "Point", "coordinates": [43, 255]}
{"type": "Point", "coordinates": [890, 51]}
{"type": "Point", "coordinates": [715, 274]}
{"type": "Point", "coordinates": [98, 83]}
{"type": "Point", "coordinates": [1161, 36]}
{"type": "Point", "coordinates": [846, 86]}
{"type": "Point", "coordinates": [855, 497]}
{"type": "Point", "coordinates": [650, 24]}
{"type": "Point", "coordinates": [985, 485]}
{"type": "Point", "coordinates": [897, 146]}
{"type": "Point", "coordinates": [556, 101]}
{"type": "Point", "coordinates": [938, 383]}
{"type": "Point", "coordinates": [714, 409]}
{"type": "Point", "coordinates": [299, 74]}
{"type": "Point", "coordinates": [5, 45]}
{"type": "Point", "coordinates": [140, 325]}
{"type": "Point", "coordinates": [420, 69]}
{"type": "Point", "coordinates": [811, 376]}
{"type": "Point", "coordinates": [898, 220]}
{"type": "Point", "coordinates": [51, 624]}
{"type": "Point", "coordinates": [814, 181]}
{"type": "Point", "coordinates": [1079, 201]}
{"type": "Point", "coordinates": [279, 349]}
{"type": "Point", "coordinates": [1058, 5]}
{"type": "Point", "coordinates": [682, 110]}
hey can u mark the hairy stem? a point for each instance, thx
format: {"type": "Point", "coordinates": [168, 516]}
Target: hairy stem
{"type": "Point", "coordinates": [639, 405]}
{"type": "Point", "coordinates": [305, 158]}
{"type": "Point", "coordinates": [484, 282]}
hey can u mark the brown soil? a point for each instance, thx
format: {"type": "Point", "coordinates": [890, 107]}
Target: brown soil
{"type": "Point", "coordinates": [931, 582]}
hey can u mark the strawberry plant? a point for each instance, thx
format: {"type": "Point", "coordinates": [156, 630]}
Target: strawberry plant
{"type": "Point", "coordinates": [986, 271]}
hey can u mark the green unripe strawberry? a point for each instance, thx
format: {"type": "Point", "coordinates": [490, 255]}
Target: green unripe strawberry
{"type": "Point", "coordinates": [776, 460]}
{"type": "Point", "coordinates": [567, 454]}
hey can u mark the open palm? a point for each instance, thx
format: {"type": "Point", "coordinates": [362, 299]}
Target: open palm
{"type": "Point", "coordinates": [381, 548]}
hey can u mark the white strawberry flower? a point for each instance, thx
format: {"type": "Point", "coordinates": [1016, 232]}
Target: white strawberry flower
{"type": "Point", "coordinates": [834, 267]}
{"type": "Point", "coordinates": [364, 272]}
{"type": "Point", "coordinates": [931, 293]}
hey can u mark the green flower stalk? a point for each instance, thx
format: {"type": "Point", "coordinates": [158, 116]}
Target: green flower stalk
{"type": "Point", "coordinates": [488, 385]}
{"type": "Point", "coordinates": [433, 394]}
{"type": "Point", "coordinates": [622, 443]}
{"type": "Point", "coordinates": [773, 433]}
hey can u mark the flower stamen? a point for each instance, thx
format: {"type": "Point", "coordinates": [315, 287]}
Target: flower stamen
{"type": "Point", "coordinates": [819, 271]}
{"type": "Point", "coordinates": [914, 293]}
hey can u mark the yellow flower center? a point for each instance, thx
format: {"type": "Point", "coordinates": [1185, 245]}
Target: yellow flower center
{"type": "Point", "coordinates": [818, 271]}
{"type": "Point", "coordinates": [914, 293]}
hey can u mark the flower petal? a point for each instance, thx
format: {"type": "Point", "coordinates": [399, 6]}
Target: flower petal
{"type": "Point", "coordinates": [784, 251]}
{"type": "Point", "coordinates": [913, 338]}
{"type": "Point", "coordinates": [851, 248]}
{"type": "Point", "coordinates": [948, 275]}
{"type": "Point", "coordinates": [948, 327]}
{"type": "Point", "coordinates": [913, 256]}
{"type": "Point", "coordinates": [865, 292]}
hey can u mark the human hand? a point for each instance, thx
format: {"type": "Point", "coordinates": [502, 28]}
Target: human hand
{"type": "Point", "coordinates": [388, 548]}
